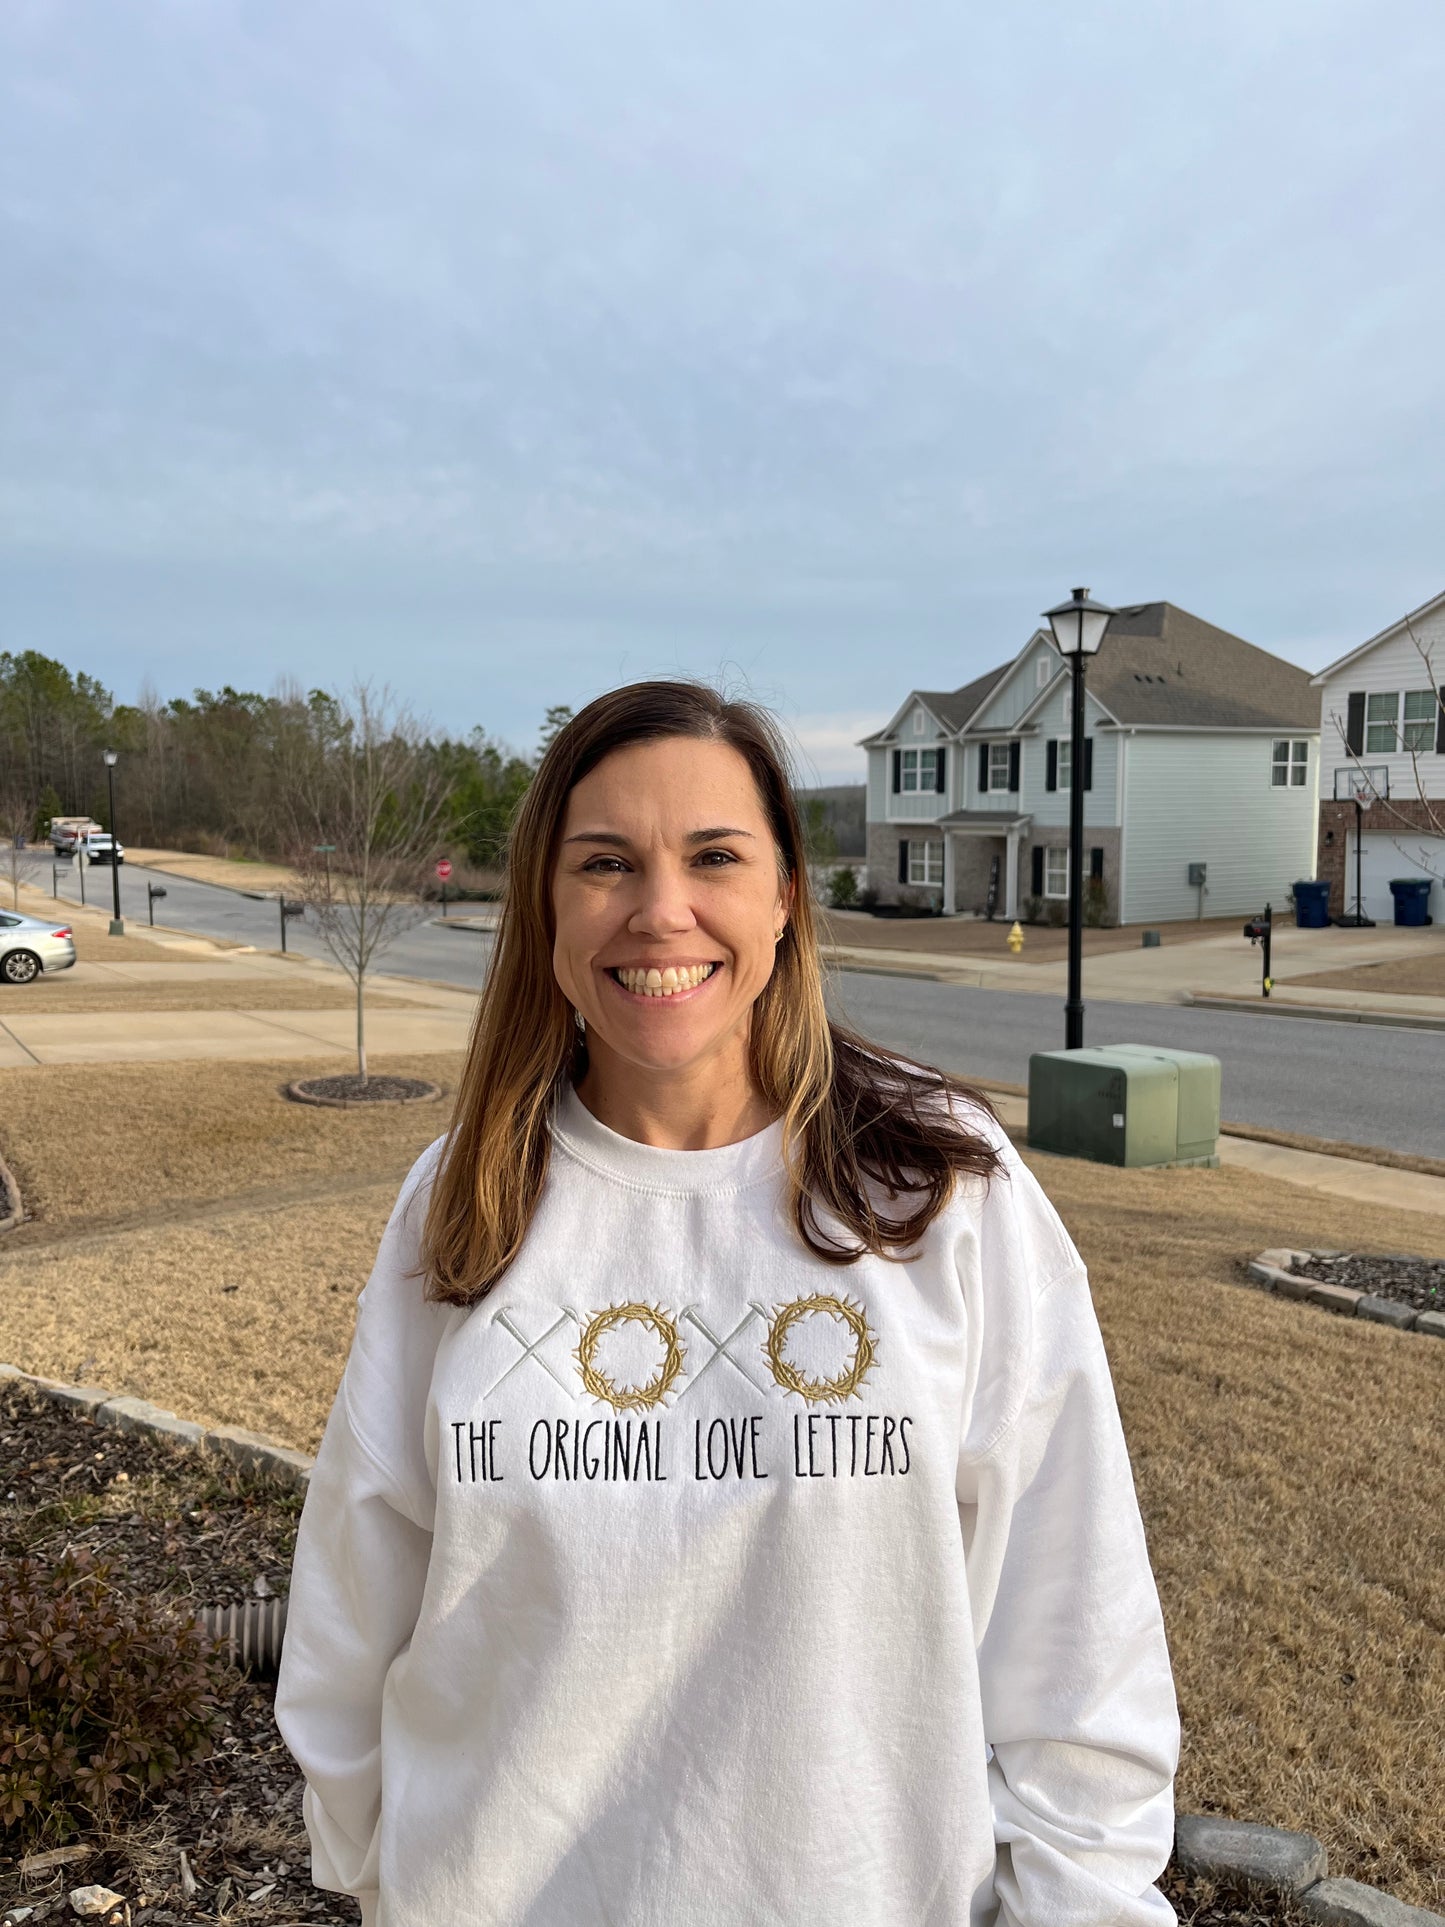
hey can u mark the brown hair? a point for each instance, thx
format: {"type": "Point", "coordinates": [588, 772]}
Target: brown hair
{"type": "Point", "coordinates": [851, 1111]}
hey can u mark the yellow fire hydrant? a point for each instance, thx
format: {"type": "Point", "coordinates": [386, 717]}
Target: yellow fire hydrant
{"type": "Point", "coordinates": [1016, 939]}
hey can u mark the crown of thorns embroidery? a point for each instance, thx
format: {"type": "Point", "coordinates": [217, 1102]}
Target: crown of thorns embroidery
{"type": "Point", "coordinates": [629, 1398]}
{"type": "Point", "coordinates": [820, 1391]}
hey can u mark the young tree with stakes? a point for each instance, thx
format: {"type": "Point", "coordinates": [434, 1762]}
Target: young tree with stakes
{"type": "Point", "coordinates": [362, 781]}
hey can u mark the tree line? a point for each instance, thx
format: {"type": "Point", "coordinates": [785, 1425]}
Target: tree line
{"type": "Point", "coordinates": [219, 771]}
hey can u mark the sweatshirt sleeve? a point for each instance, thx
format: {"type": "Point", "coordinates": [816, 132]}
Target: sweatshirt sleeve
{"type": "Point", "coordinates": [1077, 1690]}
{"type": "Point", "coordinates": [360, 1566]}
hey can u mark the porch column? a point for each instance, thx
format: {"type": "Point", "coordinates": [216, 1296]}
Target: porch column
{"type": "Point", "coordinates": [1011, 878]}
{"type": "Point", "coordinates": [950, 876]}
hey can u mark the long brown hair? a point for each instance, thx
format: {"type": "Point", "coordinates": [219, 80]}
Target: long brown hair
{"type": "Point", "coordinates": [852, 1111]}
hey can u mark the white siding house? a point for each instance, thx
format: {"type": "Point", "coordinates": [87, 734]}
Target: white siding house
{"type": "Point", "coordinates": [1199, 749]}
{"type": "Point", "coordinates": [1382, 718]}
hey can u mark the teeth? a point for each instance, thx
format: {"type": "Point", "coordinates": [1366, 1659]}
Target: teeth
{"type": "Point", "coordinates": [664, 983]}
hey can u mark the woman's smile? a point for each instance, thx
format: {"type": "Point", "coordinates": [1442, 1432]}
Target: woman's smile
{"type": "Point", "coordinates": [665, 983]}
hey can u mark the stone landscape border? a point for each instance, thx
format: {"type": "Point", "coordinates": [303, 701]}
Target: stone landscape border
{"type": "Point", "coordinates": [1271, 1270]}
{"type": "Point", "coordinates": [299, 1094]}
{"type": "Point", "coordinates": [11, 1202]}
{"type": "Point", "coordinates": [1237, 1852]}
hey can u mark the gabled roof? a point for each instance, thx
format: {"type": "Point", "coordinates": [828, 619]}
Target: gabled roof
{"type": "Point", "coordinates": [1385, 635]}
{"type": "Point", "coordinates": [952, 707]}
{"type": "Point", "coordinates": [1160, 666]}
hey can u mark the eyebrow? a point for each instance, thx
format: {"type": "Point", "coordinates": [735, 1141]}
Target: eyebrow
{"type": "Point", "coordinates": [622, 843]}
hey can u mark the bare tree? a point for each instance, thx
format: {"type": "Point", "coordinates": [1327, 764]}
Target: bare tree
{"type": "Point", "coordinates": [1408, 738]}
{"type": "Point", "coordinates": [367, 811]}
{"type": "Point", "coordinates": [17, 823]}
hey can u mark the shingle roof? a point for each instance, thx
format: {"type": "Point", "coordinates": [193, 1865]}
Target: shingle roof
{"type": "Point", "coordinates": [955, 706]}
{"type": "Point", "coordinates": [1159, 664]}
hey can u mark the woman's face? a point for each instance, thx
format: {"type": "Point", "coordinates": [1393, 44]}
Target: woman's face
{"type": "Point", "coordinates": [667, 900]}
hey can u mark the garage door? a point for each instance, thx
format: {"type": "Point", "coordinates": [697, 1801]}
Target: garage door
{"type": "Point", "coordinates": [1402, 855]}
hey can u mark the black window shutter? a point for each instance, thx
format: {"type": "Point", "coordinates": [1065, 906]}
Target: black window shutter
{"type": "Point", "coordinates": [1440, 722]}
{"type": "Point", "coordinates": [1096, 864]}
{"type": "Point", "coordinates": [897, 771]}
{"type": "Point", "coordinates": [1355, 723]}
{"type": "Point", "coordinates": [1051, 765]}
{"type": "Point", "coordinates": [903, 860]}
{"type": "Point", "coordinates": [1038, 889]}
{"type": "Point", "coordinates": [982, 767]}
{"type": "Point", "coordinates": [1088, 762]}
{"type": "Point", "coordinates": [1013, 765]}
{"type": "Point", "coordinates": [939, 766]}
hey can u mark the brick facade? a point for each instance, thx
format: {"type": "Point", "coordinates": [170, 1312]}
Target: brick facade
{"type": "Point", "coordinates": [973, 857]}
{"type": "Point", "coordinates": [1335, 850]}
{"type": "Point", "coordinates": [1095, 838]}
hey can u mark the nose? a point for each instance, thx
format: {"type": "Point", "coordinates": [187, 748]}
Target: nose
{"type": "Point", "coordinates": [664, 908]}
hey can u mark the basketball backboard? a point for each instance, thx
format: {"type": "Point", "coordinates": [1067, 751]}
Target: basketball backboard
{"type": "Point", "coordinates": [1363, 783]}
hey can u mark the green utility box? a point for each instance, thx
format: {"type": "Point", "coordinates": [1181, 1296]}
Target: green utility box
{"type": "Point", "coordinates": [1129, 1104]}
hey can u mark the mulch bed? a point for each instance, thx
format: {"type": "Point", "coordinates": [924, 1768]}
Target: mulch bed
{"type": "Point", "coordinates": [187, 1525]}
{"type": "Point", "coordinates": [349, 1090]}
{"type": "Point", "coordinates": [1418, 1282]}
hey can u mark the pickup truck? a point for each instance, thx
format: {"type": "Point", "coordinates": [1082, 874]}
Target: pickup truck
{"type": "Point", "coordinates": [98, 846]}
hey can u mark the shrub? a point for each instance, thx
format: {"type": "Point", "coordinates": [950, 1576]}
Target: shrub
{"type": "Point", "coordinates": [1033, 909]}
{"type": "Point", "coordinates": [1056, 912]}
{"type": "Point", "coordinates": [868, 896]}
{"type": "Point", "coordinates": [103, 1698]}
{"type": "Point", "coordinates": [1096, 904]}
{"type": "Point", "coordinates": [843, 888]}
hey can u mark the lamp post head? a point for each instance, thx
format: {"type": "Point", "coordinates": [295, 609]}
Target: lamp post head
{"type": "Point", "coordinates": [1079, 624]}
{"type": "Point", "coordinates": [110, 758]}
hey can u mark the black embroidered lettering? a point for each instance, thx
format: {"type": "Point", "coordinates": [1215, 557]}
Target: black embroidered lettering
{"type": "Point", "coordinates": [459, 1425]}
{"type": "Point", "coordinates": [590, 1461]}
{"type": "Point", "coordinates": [869, 1471]}
{"type": "Point", "coordinates": [492, 1473]}
{"type": "Point", "coordinates": [717, 1433]}
{"type": "Point", "coordinates": [659, 1474]}
{"type": "Point", "coordinates": [903, 1425]}
{"type": "Point", "coordinates": [798, 1472]}
{"type": "Point", "coordinates": [644, 1450]}
{"type": "Point", "coordinates": [753, 1423]}
{"type": "Point", "coordinates": [854, 1421]}
{"type": "Point", "coordinates": [890, 1426]}
{"type": "Point", "coordinates": [577, 1450]}
{"type": "Point", "coordinates": [621, 1448]}
{"type": "Point", "coordinates": [738, 1433]}
{"type": "Point", "coordinates": [546, 1430]}
{"type": "Point", "coordinates": [833, 1430]}
{"type": "Point", "coordinates": [560, 1467]}
{"type": "Point", "coordinates": [813, 1418]}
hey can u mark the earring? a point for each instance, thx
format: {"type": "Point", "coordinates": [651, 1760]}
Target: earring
{"type": "Point", "coordinates": [581, 1023]}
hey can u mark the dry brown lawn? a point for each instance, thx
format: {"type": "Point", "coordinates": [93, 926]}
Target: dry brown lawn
{"type": "Point", "coordinates": [56, 995]}
{"type": "Point", "coordinates": [1398, 977]}
{"type": "Point", "coordinates": [232, 872]}
{"type": "Point", "coordinates": [1287, 1462]}
{"type": "Point", "coordinates": [965, 937]}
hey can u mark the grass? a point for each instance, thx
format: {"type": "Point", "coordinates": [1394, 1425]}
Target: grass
{"type": "Point", "coordinates": [1287, 1462]}
{"type": "Point", "coordinates": [967, 937]}
{"type": "Point", "coordinates": [84, 995]}
{"type": "Point", "coordinates": [1398, 977]}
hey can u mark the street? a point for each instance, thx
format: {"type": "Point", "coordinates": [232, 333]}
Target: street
{"type": "Point", "coordinates": [1361, 1084]}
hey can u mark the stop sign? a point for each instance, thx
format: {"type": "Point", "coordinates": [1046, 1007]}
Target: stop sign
{"type": "Point", "coordinates": [444, 869]}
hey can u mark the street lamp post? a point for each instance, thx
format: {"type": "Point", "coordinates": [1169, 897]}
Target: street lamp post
{"type": "Point", "coordinates": [117, 928]}
{"type": "Point", "coordinates": [1078, 627]}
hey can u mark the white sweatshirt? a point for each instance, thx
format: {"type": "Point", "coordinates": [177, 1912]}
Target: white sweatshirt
{"type": "Point", "coordinates": [689, 1581]}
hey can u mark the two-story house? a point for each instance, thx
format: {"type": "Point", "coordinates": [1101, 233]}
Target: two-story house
{"type": "Point", "coordinates": [1382, 715]}
{"type": "Point", "coordinates": [1201, 756]}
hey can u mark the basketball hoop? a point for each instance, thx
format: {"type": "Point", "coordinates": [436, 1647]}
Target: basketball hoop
{"type": "Point", "coordinates": [1363, 784]}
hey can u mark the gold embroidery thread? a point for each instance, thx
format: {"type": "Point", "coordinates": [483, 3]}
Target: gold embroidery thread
{"type": "Point", "coordinates": [629, 1398]}
{"type": "Point", "coordinates": [820, 1391]}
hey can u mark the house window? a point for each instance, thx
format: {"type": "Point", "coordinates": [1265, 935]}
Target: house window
{"type": "Point", "coordinates": [918, 722]}
{"type": "Point", "coordinates": [1056, 873]}
{"type": "Point", "coordinates": [925, 860]}
{"type": "Point", "coordinates": [918, 770]}
{"type": "Point", "coordinates": [1066, 761]}
{"type": "Point", "coordinates": [1290, 767]}
{"type": "Point", "coordinates": [1042, 671]}
{"type": "Point", "coordinates": [1420, 707]}
{"type": "Point", "coordinates": [998, 766]}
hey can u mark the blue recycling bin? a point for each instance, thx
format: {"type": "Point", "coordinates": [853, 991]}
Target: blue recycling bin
{"type": "Point", "coordinates": [1412, 901]}
{"type": "Point", "coordinates": [1312, 905]}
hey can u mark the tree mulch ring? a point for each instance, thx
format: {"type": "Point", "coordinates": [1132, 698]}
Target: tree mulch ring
{"type": "Point", "coordinates": [194, 1527]}
{"type": "Point", "coordinates": [1417, 1282]}
{"type": "Point", "coordinates": [351, 1092]}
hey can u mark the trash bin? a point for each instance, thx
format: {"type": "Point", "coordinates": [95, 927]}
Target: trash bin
{"type": "Point", "coordinates": [1412, 901]}
{"type": "Point", "coordinates": [1312, 905]}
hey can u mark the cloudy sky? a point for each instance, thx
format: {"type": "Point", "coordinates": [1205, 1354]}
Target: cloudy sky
{"type": "Point", "coordinates": [506, 353]}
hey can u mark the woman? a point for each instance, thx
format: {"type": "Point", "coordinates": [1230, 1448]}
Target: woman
{"type": "Point", "coordinates": [725, 1516]}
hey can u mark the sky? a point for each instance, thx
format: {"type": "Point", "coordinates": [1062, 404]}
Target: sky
{"type": "Point", "coordinates": [503, 354]}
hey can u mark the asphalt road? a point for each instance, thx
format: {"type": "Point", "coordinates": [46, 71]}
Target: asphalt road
{"type": "Point", "coordinates": [1363, 1084]}
{"type": "Point", "coordinates": [456, 956]}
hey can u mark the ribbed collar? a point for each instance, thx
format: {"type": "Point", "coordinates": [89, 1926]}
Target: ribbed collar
{"type": "Point", "coordinates": [729, 1167]}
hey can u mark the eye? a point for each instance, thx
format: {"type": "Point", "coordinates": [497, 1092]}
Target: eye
{"type": "Point", "coordinates": [592, 863]}
{"type": "Point", "coordinates": [726, 855]}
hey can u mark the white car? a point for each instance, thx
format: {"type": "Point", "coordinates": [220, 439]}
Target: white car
{"type": "Point", "coordinates": [100, 847]}
{"type": "Point", "coordinates": [29, 947]}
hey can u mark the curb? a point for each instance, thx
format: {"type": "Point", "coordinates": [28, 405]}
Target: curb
{"type": "Point", "coordinates": [250, 1450]}
{"type": "Point", "coordinates": [1287, 1863]}
{"type": "Point", "coordinates": [10, 1199]}
{"type": "Point", "coordinates": [1271, 1271]}
{"type": "Point", "coordinates": [1323, 1013]}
